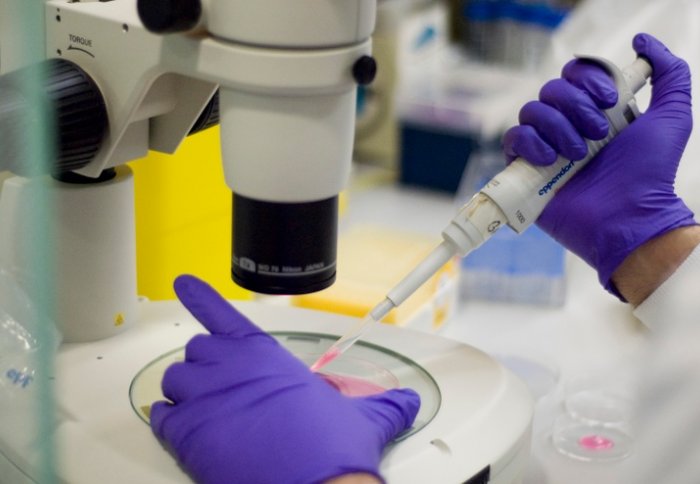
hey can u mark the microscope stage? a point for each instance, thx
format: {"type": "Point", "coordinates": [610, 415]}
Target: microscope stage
{"type": "Point", "coordinates": [474, 420]}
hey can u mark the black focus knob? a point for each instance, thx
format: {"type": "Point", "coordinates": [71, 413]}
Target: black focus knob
{"type": "Point", "coordinates": [75, 108]}
{"type": "Point", "coordinates": [169, 16]}
{"type": "Point", "coordinates": [81, 115]}
{"type": "Point", "coordinates": [364, 70]}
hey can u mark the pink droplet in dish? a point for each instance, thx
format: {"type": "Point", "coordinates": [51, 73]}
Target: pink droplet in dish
{"type": "Point", "coordinates": [596, 442]}
{"type": "Point", "coordinates": [351, 386]}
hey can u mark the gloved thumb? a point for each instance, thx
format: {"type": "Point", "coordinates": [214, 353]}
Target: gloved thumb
{"type": "Point", "coordinates": [394, 411]}
{"type": "Point", "coordinates": [670, 76]}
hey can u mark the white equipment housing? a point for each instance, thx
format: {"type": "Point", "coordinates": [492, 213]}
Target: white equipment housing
{"type": "Point", "coordinates": [481, 431]}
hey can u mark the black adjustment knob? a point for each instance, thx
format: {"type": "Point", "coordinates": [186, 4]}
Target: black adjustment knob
{"type": "Point", "coordinates": [76, 112]}
{"type": "Point", "coordinates": [208, 117]}
{"type": "Point", "coordinates": [169, 16]}
{"type": "Point", "coordinates": [81, 115]}
{"type": "Point", "coordinates": [364, 70]}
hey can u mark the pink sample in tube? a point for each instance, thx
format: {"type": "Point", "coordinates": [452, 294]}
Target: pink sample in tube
{"type": "Point", "coordinates": [325, 358]}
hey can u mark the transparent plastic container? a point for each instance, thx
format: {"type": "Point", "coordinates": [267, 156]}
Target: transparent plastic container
{"type": "Point", "coordinates": [22, 347]}
{"type": "Point", "coordinates": [18, 344]}
{"type": "Point", "coordinates": [481, 18]}
{"type": "Point", "coordinates": [596, 423]}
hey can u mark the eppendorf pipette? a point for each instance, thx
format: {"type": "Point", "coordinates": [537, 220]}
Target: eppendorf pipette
{"type": "Point", "coordinates": [515, 197]}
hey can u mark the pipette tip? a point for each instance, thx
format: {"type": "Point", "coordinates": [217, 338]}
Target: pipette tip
{"type": "Point", "coordinates": [339, 347]}
{"type": "Point", "coordinates": [325, 358]}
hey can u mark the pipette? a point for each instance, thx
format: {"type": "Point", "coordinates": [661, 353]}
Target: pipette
{"type": "Point", "coordinates": [515, 197]}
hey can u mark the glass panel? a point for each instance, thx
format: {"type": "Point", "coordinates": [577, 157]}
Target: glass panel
{"type": "Point", "coordinates": [28, 338]}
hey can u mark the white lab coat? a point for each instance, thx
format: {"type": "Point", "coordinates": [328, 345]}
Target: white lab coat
{"type": "Point", "coordinates": [668, 423]}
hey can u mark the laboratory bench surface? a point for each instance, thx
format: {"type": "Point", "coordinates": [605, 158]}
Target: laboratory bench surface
{"type": "Point", "coordinates": [592, 334]}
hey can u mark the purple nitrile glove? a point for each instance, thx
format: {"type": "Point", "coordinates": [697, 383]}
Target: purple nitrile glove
{"type": "Point", "coordinates": [246, 410]}
{"type": "Point", "coordinates": [625, 195]}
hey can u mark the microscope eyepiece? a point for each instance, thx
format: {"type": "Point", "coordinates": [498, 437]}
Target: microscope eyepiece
{"type": "Point", "coordinates": [284, 248]}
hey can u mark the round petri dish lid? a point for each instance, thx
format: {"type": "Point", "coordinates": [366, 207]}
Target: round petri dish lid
{"type": "Point", "coordinates": [374, 365]}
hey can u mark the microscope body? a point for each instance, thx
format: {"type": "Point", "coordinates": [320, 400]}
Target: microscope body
{"type": "Point", "coordinates": [285, 75]}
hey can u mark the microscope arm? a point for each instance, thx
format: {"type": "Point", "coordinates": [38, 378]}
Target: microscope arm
{"type": "Point", "coordinates": [286, 74]}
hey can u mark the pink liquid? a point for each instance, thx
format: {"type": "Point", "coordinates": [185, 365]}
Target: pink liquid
{"type": "Point", "coordinates": [351, 386]}
{"type": "Point", "coordinates": [596, 442]}
{"type": "Point", "coordinates": [325, 358]}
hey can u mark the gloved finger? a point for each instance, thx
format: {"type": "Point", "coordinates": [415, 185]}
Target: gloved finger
{"type": "Point", "coordinates": [175, 425]}
{"type": "Point", "coordinates": [159, 413]}
{"type": "Point", "coordinates": [592, 79]}
{"type": "Point", "coordinates": [578, 107]}
{"type": "Point", "coordinates": [395, 410]}
{"type": "Point", "coordinates": [212, 310]}
{"type": "Point", "coordinates": [200, 348]}
{"type": "Point", "coordinates": [523, 141]}
{"type": "Point", "coordinates": [553, 127]}
{"type": "Point", "coordinates": [205, 347]}
{"type": "Point", "coordinates": [208, 348]}
{"type": "Point", "coordinates": [670, 76]}
{"type": "Point", "coordinates": [182, 381]}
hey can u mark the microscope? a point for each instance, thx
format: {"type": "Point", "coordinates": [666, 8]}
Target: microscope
{"type": "Point", "coordinates": [123, 77]}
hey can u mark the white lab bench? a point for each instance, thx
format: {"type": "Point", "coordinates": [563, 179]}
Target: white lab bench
{"type": "Point", "coordinates": [592, 333]}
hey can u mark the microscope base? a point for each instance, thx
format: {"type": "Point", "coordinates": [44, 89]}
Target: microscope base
{"type": "Point", "coordinates": [481, 430]}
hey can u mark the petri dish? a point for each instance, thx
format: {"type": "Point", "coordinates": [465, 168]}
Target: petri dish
{"type": "Point", "coordinates": [364, 369]}
{"type": "Point", "coordinates": [354, 377]}
{"type": "Point", "coordinates": [596, 424]}
{"type": "Point", "coordinates": [586, 441]}
{"type": "Point", "coordinates": [609, 406]}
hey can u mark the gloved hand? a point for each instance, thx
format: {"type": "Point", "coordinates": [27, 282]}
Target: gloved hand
{"type": "Point", "coordinates": [625, 195]}
{"type": "Point", "coordinates": [246, 410]}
